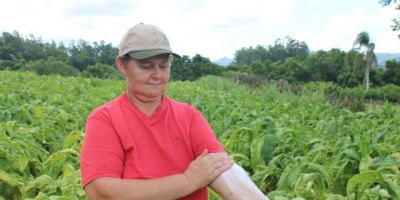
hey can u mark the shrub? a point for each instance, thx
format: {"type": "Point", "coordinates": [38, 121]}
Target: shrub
{"type": "Point", "coordinates": [50, 66]}
{"type": "Point", "coordinates": [102, 71]}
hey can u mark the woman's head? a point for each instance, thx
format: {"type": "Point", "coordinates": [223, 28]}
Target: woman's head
{"type": "Point", "coordinates": [144, 59]}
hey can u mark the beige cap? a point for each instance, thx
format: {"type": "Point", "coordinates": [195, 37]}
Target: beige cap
{"type": "Point", "coordinates": [144, 41]}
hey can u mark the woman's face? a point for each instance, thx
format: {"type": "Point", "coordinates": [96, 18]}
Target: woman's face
{"type": "Point", "coordinates": [147, 79]}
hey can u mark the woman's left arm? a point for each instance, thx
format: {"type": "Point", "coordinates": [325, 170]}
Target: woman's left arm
{"type": "Point", "coordinates": [235, 184]}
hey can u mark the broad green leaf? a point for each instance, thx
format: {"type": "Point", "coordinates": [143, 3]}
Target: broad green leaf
{"type": "Point", "coordinates": [363, 181]}
{"type": "Point", "coordinates": [280, 198]}
{"type": "Point", "coordinates": [372, 193]}
{"type": "Point", "coordinates": [74, 138]}
{"type": "Point", "coordinates": [334, 197]}
{"type": "Point", "coordinates": [38, 112]}
{"type": "Point", "coordinates": [69, 182]}
{"type": "Point", "coordinates": [351, 153]}
{"type": "Point", "coordinates": [393, 185]}
{"type": "Point", "coordinates": [364, 145]}
{"type": "Point", "coordinates": [288, 177]}
{"type": "Point", "coordinates": [385, 161]}
{"type": "Point", "coordinates": [54, 164]}
{"type": "Point", "coordinates": [41, 196]}
{"type": "Point", "coordinates": [322, 171]}
{"type": "Point", "coordinates": [10, 179]}
{"type": "Point", "coordinates": [365, 163]}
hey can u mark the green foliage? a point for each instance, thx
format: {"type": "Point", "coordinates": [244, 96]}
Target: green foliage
{"type": "Point", "coordinates": [41, 132]}
{"type": "Point", "coordinates": [291, 140]}
{"type": "Point", "coordinates": [191, 69]}
{"type": "Point", "coordinates": [308, 149]}
{"type": "Point", "coordinates": [280, 51]}
{"type": "Point", "coordinates": [392, 72]}
{"type": "Point", "coordinates": [250, 55]}
{"type": "Point", "coordinates": [355, 98]}
{"type": "Point", "coordinates": [287, 59]}
{"type": "Point", "coordinates": [82, 55]}
{"type": "Point", "coordinates": [369, 58]}
{"type": "Point", "coordinates": [335, 65]}
{"type": "Point", "coordinates": [50, 66]}
{"type": "Point", "coordinates": [101, 71]}
{"type": "Point", "coordinates": [326, 66]}
{"type": "Point", "coordinates": [15, 50]}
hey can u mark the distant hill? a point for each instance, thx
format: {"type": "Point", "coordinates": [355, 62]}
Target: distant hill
{"type": "Point", "coordinates": [223, 61]}
{"type": "Point", "coordinates": [383, 57]}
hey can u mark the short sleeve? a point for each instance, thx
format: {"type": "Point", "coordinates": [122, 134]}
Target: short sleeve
{"type": "Point", "coordinates": [202, 136]}
{"type": "Point", "coordinates": [102, 154]}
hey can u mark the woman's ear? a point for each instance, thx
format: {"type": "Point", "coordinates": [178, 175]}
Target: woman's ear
{"type": "Point", "coordinates": [121, 65]}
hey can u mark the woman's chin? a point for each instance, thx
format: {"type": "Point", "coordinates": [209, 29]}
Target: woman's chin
{"type": "Point", "coordinates": [148, 95]}
{"type": "Point", "coordinates": [152, 95]}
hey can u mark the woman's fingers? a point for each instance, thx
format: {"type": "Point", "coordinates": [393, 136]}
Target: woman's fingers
{"type": "Point", "coordinates": [207, 167]}
{"type": "Point", "coordinates": [220, 162]}
{"type": "Point", "coordinates": [204, 153]}
{"type": "Point", "coordinates": [224, 165]}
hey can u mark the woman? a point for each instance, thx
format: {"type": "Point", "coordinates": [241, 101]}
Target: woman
{"type": "Point", "coordinates": [144, 145]}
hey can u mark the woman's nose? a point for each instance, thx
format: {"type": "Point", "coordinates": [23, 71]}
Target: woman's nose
{"type": "Point", "coordinates": [157, 73]}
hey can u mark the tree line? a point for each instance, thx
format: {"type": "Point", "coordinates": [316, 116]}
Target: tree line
{"type": "Point", "coordinates": [82, 58]}
{"type": "Point", "coordinates": [291, 60]}
{"type": "Point", "coordinates": [287, 59]}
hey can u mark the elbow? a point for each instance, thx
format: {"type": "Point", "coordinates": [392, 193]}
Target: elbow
{"type": "Point", "coordinates": [101, 189]}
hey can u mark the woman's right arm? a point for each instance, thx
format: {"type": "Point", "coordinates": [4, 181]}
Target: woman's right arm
{"type": "Point", "coordinates": [171, 187]}
{"type": "Point", "coordinates": [199, 174]}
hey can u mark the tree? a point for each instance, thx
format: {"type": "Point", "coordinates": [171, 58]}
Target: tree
{"type": "Point", "coordinates": [82, 55]}
{"type": "Point", "coordinates": [11, 46]}
{"type": "Point", "coordinates": [194, 68]}
{"type": "Point", "coordinates": [250, 55]}
{"type": "Point", "coordinates": [396, 25]}
{"type": "Point", "coordinates": [297, 69]}
{"type": "Point", "coordinates": [100, 70]}
{"type": "Point", "coordinates": [57, 51]}
{"type": "Point", "coordinates": [326, 65]}
{"type": "Point", "coordinates": [181, 70]}
{"type": "Point", "coordinates": [392, 72]}
{"type": "Point", "coordinates": [105, 53]}
{"type": "Point", "coordinates": [202, 66]}
{"type": "Point", "coordinates": [363, 43]}
{"type": "Point", "coordinates": [282, 49]}
{"type": "Point", "coordinates": [50, 66]}
{"type": "Point", "coordinates": [288, 48]}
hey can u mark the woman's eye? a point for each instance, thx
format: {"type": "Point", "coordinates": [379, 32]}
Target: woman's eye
{"type": "Point", "coordinates": [145, 66]}
{"type": "Point", "coordinates": [164, 66]}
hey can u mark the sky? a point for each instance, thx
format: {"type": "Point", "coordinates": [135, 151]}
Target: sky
{"type": "Point", "coordinates": [211, 28]}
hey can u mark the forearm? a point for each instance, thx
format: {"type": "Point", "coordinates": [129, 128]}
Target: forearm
{"type": "Point", "coordinates": [170, 187]}
{"type": "Point", "coordinates": [200, 173]}
{"type": "Point", "coordinates": [235, 184]}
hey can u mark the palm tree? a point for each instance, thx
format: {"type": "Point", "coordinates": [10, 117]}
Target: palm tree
{"type": "Point", "coordinates": [362, 42]}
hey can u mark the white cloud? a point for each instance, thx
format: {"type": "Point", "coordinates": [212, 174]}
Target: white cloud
{"type": "Point", "coordinates": [316, 2]}
{"type": "Point", "coordinates": [218, 28]}
{"type": "Point", "coordinates": [211, 28]}
{"type": "Point", "coordinates": [341, 30]}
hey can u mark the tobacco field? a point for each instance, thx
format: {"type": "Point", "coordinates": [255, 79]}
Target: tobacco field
{"type": "Point", "coordinates": [293, 146]}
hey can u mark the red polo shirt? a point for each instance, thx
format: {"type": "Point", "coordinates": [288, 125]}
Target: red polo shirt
{"type": "Point", "coordinates": [123, 142]}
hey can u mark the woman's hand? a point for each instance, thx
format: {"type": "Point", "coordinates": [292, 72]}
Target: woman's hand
{"type": "Point", "coordinates": [207, 167]}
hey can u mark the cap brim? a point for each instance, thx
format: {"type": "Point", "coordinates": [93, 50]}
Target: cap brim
{"type": "Point", "coordinates": [143, 54]}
